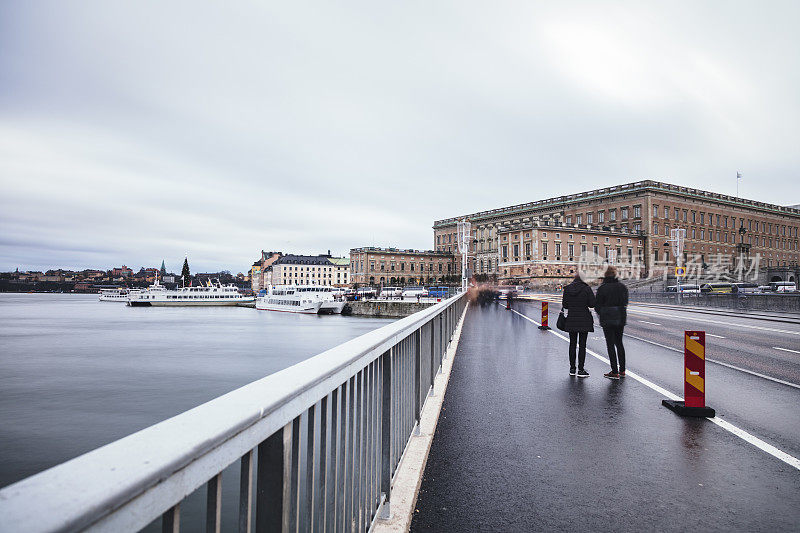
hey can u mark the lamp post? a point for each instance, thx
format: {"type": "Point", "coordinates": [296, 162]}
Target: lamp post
{"type": "Point", "coordinates": [744, 249]}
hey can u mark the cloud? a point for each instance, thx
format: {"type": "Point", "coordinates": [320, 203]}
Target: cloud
{"type": "Point", "coordinates": [131, 133]}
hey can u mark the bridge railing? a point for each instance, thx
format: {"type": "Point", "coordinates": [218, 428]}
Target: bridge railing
{"type": "Point", "coordinates": [317, 445]}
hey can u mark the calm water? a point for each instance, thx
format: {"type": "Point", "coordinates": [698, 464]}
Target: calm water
{"type": "Point", "coordinates": [76, 373]}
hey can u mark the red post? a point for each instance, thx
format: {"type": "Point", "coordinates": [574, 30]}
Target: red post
{"type": "Point", "coordinates": [545, 315]}
{"type": "Point", "coordinates": [694, 356]}
{"type": "Point", "coordinates": [508, 301]}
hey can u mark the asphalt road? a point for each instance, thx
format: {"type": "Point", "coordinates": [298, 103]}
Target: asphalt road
{"type": "Point", "coordinates": [522, 446]}
{"type": "Point", "coordinates": [766, 408]}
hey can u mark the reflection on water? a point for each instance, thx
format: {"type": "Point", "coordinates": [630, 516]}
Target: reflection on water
{"type": "Point", "coordinates": [76, 373]}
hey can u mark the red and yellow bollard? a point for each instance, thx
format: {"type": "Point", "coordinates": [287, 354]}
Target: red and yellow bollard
{"type": "Point", "coordinates": [694, 377]}
{"type": "Point", "coordinates": [545, 315]}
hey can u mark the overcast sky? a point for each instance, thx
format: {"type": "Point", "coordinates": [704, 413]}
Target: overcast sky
{"type": "Point", "coordinates": [136, 131]}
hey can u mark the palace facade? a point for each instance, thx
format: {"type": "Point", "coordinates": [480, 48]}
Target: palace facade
{"type": "Point", "coordinates": [644, 211]}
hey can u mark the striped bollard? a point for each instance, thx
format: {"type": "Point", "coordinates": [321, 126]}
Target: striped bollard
{"type": "Point", "coordinates": [545, 315]}
{"type": "Point", "coordinates": [694, 378]}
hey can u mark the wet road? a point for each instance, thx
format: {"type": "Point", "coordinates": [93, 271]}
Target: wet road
{"type": "Point", "coordinates": [522, 446]}
{"type": "Point", "coordinates": [762, 406]}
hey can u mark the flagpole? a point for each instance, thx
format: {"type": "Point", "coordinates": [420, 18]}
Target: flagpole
{"type": "Point", "coordinates": [738, 177]}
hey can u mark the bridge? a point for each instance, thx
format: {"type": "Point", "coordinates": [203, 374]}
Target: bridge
{"type": "Point", "coordinates": [462, 417]}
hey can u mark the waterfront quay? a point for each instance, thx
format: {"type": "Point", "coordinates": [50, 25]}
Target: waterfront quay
{"type": "Point", "coordinates": [340, 441]}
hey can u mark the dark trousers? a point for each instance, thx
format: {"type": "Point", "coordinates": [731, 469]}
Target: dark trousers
{"type": "Point", "coordinates": [579, 339]}
{"type": "Point", "coordinates": [615, 347]}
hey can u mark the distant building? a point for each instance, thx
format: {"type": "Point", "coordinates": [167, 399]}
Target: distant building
{"type": "Point", "coordinates": [539, 252]}
{"type": "Point", "coordinates": [308, 270]}
{"type": "Point", "coordinates": [122, 272]}
{"type": "Point", "coordinates": [260, 266]}
{"type": "Point", "coordinates": [394, 266]}
{"type": "Point", "coordinates": [341, 271]}
{"type": "Point", "coordinates": [717, 225]}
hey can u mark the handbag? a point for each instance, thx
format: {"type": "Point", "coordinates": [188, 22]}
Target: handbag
{"type": "Point", "coordinates": [561, 321]}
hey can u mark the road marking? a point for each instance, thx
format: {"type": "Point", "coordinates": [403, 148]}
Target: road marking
{"type": "Point", "coordinates": [653, 323]}
{"type": "Point", "coordinates": [696, 319]}
{"type": "Point", "coordinates": [716, 336]}
{"type": "Point", "coordinates": [715, 361]}
{"type": "Point", "coordinates": [739, 432]}
{"type": "Point", "coordinates": [785, 349]}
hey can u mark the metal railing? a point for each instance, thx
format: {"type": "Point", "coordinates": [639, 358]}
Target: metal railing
{"type": "Point", "coordinates": [317, 445]}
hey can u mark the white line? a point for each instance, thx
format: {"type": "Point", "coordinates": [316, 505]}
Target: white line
{"type": "Point", "coordinates": [742, 434]}
{"type": "Point", "coordinates": [752, 373]}
{"type": "Point", "coordinates": [716, 336]}
{"type": "Point", "coordinates": [653, 323]}
{"type": "Point", "coordinates": [785, 349]}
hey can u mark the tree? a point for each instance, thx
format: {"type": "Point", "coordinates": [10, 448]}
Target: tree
{"type": "Point", "coordinates": [185, 274]}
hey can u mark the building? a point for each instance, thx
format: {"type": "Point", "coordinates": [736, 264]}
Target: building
{"type": "Point", "coordinates": [541, 252]}
{"type": "Point", "coordinates": [341, 271]}
{"type": "Point", "coordinates": [718, 227]}
{"type": "Point", "coordinates": [393, 266]}
{"type": "Point", "coordinates": [305, 270]}
{"type": "Point", "coordinates": [122, 272]}
{"type": "Point", "coordinates": [260, 266]}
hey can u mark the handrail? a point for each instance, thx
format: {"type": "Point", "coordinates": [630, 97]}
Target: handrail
{"type": "Point", "coordinates": [378, 381]}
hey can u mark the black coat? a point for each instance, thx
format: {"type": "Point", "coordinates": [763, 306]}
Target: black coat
{"type": "Point", "coordinates": [611, 303]}
{"type": "Point", "coordinates": [578, 298]}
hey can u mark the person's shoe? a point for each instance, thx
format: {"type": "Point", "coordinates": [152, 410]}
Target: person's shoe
{"type": "Point", "coordinates": [612, 375]}
{"type": "Point", "coordinates": [583, 373]}
{"type": "Point", "coordinates": [572, 371]}
{"type": "Point", "coordinates": [622, 373]}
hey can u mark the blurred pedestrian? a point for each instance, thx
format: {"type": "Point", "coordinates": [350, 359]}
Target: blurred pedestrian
{"type": "Point", "coordinates": [577, 299]}
{"type": "Point", "coordinates": [611, 307]}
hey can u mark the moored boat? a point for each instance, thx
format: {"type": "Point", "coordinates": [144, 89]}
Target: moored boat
{"type": "Point", "coordinates": [204, 295]}
{"type": "Point", "coordinates": [119, 294]}
{"type": "Point", "coordinates": [289, 299]}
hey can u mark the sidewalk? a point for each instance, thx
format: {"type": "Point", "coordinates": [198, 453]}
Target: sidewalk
{"type": "Point", "coordinates": [522, 446]}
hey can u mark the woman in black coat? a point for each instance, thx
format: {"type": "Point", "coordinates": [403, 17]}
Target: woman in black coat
{"type": "Point", "coordinates": [578, 298]}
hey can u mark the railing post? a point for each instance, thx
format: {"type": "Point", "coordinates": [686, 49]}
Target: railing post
{"type": "Point", "coordinates": [245, 492]}
{"type": "Point", "coordinates": [214, 504]}
{"type": "Point", "coordinates": [386, 433]}
{"type": "Point", "coordinates": [171, 520]}
{"type": "Point", "coordinates": [321, 475]}
{"type": "Point", "coordinates": [305, 501]}
{"type": "Point", "coordinates": [432, 328]}
{"type": "Point", "coordinates": [417, 371]}
{"type": "Point", "coordinates": [271, 477]}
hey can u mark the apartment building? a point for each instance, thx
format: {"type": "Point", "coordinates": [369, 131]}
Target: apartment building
{"type": "Point", "coordinates": [394, 266]}
{"type": "Point", "coordinates": [308, 270]}
{"type": "Point", "coordinates": [715, 224]}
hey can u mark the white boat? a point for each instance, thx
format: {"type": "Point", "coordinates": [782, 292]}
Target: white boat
{"type": "Point", "coordinates": [115, 295]}
{"type": "Point", "coordinates": [332, 299]}
{"type": "Point", "coordinates": [205, 295]}
{"type": "Point", "coordinates": [289, 299]}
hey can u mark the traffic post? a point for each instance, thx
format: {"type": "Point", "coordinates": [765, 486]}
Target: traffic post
{"type": "Point", "coordinates": [545, 316]}
{"type": "Point", "coordinates": [694, 378]}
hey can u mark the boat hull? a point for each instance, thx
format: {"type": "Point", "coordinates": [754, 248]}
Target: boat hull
{"type": "Point", "coordinates": [332, 307]}
{"type": "Point", "coordinates": [305, 309]}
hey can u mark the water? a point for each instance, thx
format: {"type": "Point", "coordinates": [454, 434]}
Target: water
{"type": "Point", "coordinates": [76, 373]}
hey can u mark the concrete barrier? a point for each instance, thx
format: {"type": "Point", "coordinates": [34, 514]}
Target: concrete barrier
{"type": "Point", "coordinates": [786, 303]}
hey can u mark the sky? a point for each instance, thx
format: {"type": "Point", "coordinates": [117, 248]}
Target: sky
{"type": "Point", "coordinates": [132, 132]}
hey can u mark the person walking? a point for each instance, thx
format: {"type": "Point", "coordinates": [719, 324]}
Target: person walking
{"type": "Point", "coordinates": [577, 299]}
{"type": "Point", "coordinates": [611, 308]}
